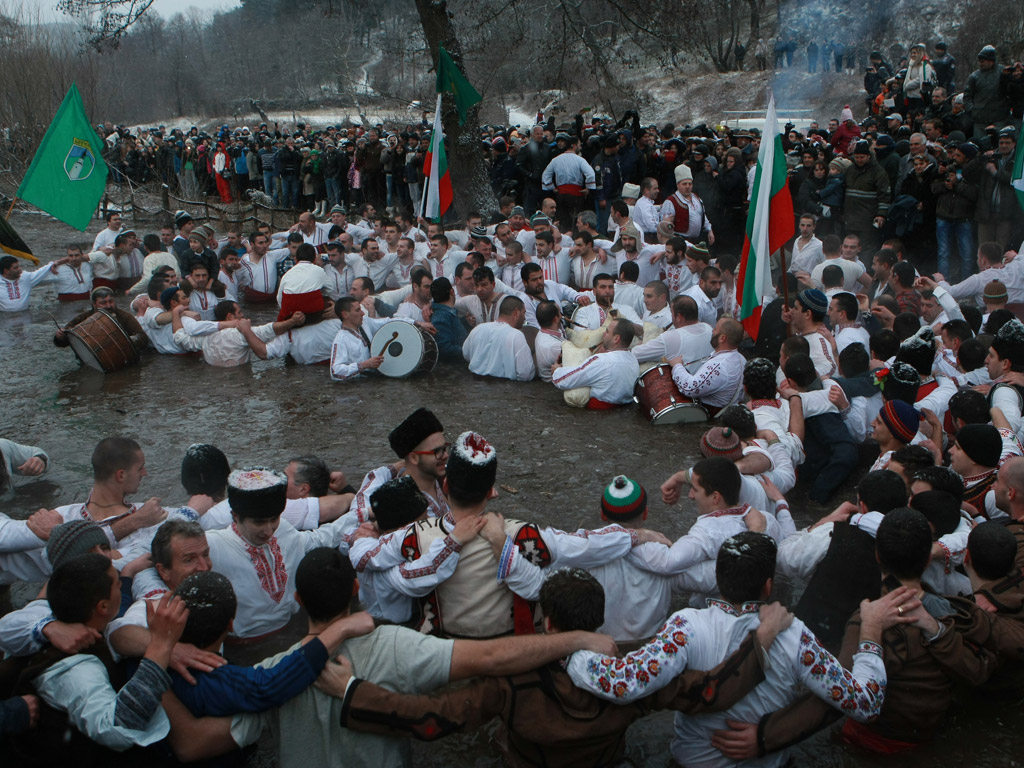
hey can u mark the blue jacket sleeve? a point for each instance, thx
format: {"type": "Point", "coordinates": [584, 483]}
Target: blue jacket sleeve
{"type": "Point", "coordinates": [232, 690]}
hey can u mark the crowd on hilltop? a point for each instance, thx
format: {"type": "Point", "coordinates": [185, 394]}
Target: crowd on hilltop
{"type": "Point", "coordinates": [608, 270]}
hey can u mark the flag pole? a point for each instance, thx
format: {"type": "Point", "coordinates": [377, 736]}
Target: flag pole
{"type": "Point", "coordinates": [11, 209]}
{"type": "Point", "coordinates": [426, 180]}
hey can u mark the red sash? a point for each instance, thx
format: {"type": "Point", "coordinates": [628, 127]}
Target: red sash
{"type": "Point", "coordinates": [600, 405]}
{"type": "Point", "coordinates": [862, 736]}
{"type": "Point", "coordinates": [926, 389]}
{"type": "Point", "coordinates": [571, 189]}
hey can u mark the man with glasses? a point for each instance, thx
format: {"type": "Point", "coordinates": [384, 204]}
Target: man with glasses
{"type": "Point", "coordinates": [422, 454]}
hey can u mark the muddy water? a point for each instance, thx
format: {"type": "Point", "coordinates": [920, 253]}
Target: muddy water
{"type": "Point", "coordinates": [553, 462]}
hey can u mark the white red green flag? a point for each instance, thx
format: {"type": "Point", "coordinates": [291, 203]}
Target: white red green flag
{"type": "Point", "coordinates": [769, 224]}
{"type": "Point", "coordinates": [437, 192]}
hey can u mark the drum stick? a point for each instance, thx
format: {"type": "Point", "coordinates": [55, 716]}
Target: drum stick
{"type": "Point", "coordinates": [387, 344]}
{"type": "Point", "coordinates": [55, 322]}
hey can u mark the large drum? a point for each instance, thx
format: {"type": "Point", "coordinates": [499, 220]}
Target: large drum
{"type": "Point", "coordinates": [101, 343]}
{"type": "Point", "coordinates": [662, 402]}
{"type": "Point", "coordinates": [407, 349]}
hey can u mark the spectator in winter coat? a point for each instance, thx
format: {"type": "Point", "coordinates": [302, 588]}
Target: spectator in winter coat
{"type": "Point", "coordinates": [982, 96]}
{"type": "Point", "coordinates": [847, 133]}
{"type": "Point", "coordinates": [866, 204]}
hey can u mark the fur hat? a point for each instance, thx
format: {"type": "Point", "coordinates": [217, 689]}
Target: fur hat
{"type": "Point", "coordinates": [900, 382]}
{"type": "Point", "coordinates": [683, 173]}
{"type": "Point", "coordinates": [257, 492]}
{"type": "Point", "coordinates": [397, 503]}
{"type": "Point", "coordinates": [472, 467]}
{"type": "Point", "coordinates": [417, 427]}
{"type": "Point", "coordinates": [630, 190]}
{"type": "Point", "coordinates": [623, 499]}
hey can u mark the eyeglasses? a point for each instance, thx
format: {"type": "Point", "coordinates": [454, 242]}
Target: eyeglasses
{"type": "Point", "coordinates": [441, 450]}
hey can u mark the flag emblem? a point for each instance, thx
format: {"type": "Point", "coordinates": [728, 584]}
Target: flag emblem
{"type": "Point", "coordinates": [80, 162]}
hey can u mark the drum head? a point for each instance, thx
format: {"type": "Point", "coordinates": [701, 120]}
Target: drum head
{"type": "Point", "coordinates": [402, 347]}
{"type": "Point", "coordinates": [85, 353]}
{"type": "Point", "coordinates": [681, 413]}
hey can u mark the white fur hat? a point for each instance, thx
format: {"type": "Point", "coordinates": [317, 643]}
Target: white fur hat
{"type": "Point", "coordinates": [683, 173]}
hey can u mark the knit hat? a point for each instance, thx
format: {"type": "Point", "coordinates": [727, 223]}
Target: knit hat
{"type": "Point", "coordinates": [721, 441]}
{"type": "Point", "coordinates": [995, 290]}
{"type": "Point", "coordinates": [630, 190]}
{"type": "Point", "coordinates": [683, 173]}
{"type": "Point", "coordinates": [988, 53]}
{"type": "Point", "coordinates": [901, 419]}
{"type": "Point", "coordinates": [862, 148]}
{"type": "Point", "coordinates": [623, 499]}
{"type": "Point", "coordinates": [417, 427]}
{"type": "Point", "coordinates": [397, 503]}
{"type": "Point", "coordinates": [629, 230]}
{"type": "Point", "coordinates": [665, 229]}
{"type": "Point", "coordinates": [472, 466]}
{"type": "Point", "coordinates": [257, 492]}
{"type": "Point", "coordinates": [338, 209]}
{"type": "Point", "coordinates": [518, 211]}
{"type": "Point", "coordinates": [981, 443]}
{"type": "Point", "coordinates": [840, 164]}
{"type": "Point", "coordinates": [479, 233]}
{"type": "Point", "coordinates": [69, 540]}
{"type": "Point", "coordinates": [969, 149]}
{"type": "Point", "coordinates": [814, 300]}
{"type": "Point", "coordinates": [181, 217]}
{"type": "Point", "coordinates": [539, 218]}
{"type": "Point", "coordinates": [698, 251]}
{"type": "Point", "coordinates": [846, 114]}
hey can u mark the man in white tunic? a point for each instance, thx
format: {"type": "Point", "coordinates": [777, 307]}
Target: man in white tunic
{"type": "Point", "coordinates": [611, 373]}
{"type": "Point", "coordinates": [500, 349]}
{"type": "Point", "coordinates": [16, 284]}
{"type": "Point", "coordinates": [350, 352]}
{"type": "Point", "coordinates": [688, 338]}
{"type": "Point", "coordinates": [719, 381]}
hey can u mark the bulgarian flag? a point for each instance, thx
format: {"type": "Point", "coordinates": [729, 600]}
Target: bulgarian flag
{"type": "Point", "coordinates": [769, 224]}
{"type": "Point", "coordinates": [437, 192]}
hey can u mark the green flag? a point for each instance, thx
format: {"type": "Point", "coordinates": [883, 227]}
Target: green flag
{"type": "Point", "coordinates": [450, 78]}
{"type": "Point", "coordinates": [67, 177]}
{"type": "Point", "coordinates": [1017, 178]}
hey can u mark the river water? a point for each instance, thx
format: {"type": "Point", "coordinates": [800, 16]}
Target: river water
{"type": "Point", "coordinates": [553, 464]}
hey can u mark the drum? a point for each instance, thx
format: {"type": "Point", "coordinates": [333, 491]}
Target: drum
{"type": "Point", "coordinates": [101, 343]}
{"type": "Point", "coordinates": [661, 400]}
{"type": "Point", "coordinates": [407, 349]}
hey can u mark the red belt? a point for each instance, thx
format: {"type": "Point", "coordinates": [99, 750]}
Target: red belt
{"type": "Point", "coordinates": [258, 297]}
{"type": "Point", "coordinates": [600, 405]}
{"type": "Point", "coordinates": [72, 296]}
{"type": "Point", "coordinates": [102, 282]}
{"type": "Point", "coordinates": [571, 189]}
{"type": "Point", "coordinates": [862, 736]}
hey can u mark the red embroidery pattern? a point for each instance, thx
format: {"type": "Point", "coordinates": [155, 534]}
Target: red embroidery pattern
{"type": "Point", "coordinates": [275, 589]}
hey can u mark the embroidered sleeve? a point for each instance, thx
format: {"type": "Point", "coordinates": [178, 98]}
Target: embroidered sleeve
{"type": "Point", "coordinates": [704, 382]}
{"type": "Point", "coordinates": [640, 673]}
{"type": "Point", "coordinates": [586, 549]}
{"type": "Point", "coordinates": [860, 693]}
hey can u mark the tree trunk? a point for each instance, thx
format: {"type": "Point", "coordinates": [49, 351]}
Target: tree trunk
{"type": "Point", "coordinates": [470, 175]}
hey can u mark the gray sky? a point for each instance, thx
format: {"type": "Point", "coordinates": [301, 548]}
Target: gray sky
{"type": "Point", "coordinates": [167, 8]}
